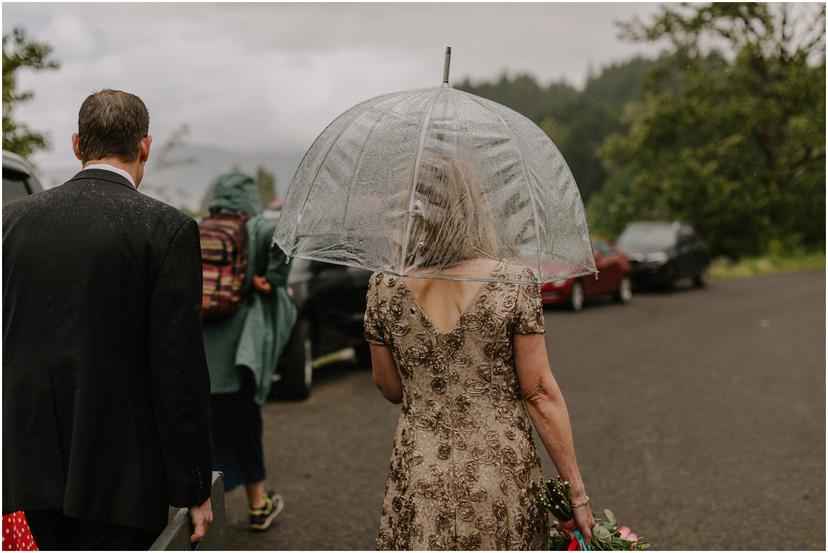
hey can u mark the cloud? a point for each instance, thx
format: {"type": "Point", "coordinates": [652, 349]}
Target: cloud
{"type": "Point", "coordinates": [268, 77]}
{"type": "Point", "coordinates": [70, 36]}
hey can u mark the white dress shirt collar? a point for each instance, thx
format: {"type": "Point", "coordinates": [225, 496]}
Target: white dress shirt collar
{"type": "Point", "coordinates": [108, 167]}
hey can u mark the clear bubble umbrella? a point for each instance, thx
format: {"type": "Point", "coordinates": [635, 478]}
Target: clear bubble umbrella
{"type": "Point", "coordinates": [436, 183]}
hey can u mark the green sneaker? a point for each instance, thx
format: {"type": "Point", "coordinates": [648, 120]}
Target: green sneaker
{"type": "Point", "coordinates": [261, 519]}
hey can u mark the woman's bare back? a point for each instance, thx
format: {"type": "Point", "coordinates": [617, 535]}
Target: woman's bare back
{"type": "Point", "coordinates": [444, 301]}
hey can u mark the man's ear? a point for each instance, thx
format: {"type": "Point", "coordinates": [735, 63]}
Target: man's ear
{"type": "Point", "coordinates": [144, 148]}
{"type": "Point", "coordinates": [76, 146]}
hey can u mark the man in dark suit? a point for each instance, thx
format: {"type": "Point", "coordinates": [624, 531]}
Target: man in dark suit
{"type": "Point", "coordinates": [106, 392]}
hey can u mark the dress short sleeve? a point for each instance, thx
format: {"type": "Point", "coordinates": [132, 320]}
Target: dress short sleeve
{"type": "Point", "coordinates": [529, 310]}
{"type": "Point", "coordinates": [373, 328]}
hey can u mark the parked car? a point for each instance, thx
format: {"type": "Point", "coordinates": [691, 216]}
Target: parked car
{"type": "Point", "coordinates": [19, 179]}
{"type": "Point", "coordinates": [662, 252]}
{"type": "Point", "coordinates": [331, 303]}
{"type": "Point", "coordinates": [613, 279]}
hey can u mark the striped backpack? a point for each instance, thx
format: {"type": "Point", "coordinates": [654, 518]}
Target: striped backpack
{"type": "Point", "coordinates": [224, 245]}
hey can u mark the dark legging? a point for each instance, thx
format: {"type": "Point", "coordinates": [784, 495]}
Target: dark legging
{"type": "Point", "coordinates": [236, 425]}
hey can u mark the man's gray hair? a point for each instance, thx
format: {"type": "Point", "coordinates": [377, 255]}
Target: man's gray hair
{"type": "Point", "coordinates": [112, 123]}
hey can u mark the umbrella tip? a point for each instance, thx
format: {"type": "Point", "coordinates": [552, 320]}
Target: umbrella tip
{"type": "Point", "coordinates": [446, 65]}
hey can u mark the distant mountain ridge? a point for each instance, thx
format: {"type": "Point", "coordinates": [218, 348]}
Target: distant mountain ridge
{"type": "Point", "coordinates": [191, 169]}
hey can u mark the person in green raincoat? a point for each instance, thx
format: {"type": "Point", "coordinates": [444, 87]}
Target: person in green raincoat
{"type": "Point", "coordinates": [243, 350]}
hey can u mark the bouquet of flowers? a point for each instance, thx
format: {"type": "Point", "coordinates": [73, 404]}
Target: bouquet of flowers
{"type": "Point", "coordinates": [606, 535]}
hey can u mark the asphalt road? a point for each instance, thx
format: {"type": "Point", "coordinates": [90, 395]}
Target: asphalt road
{"type": "Point", "coordinates": [699, 419]}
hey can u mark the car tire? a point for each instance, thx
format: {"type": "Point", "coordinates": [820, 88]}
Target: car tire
{"type": "Point", "coordinates": [700, 278]}
{"type": "Point", "coordinates": [297, 364]}
{"type": "Point", "coordinates": [624, 292]}
{"type": "Point", "coordinates": [576, 296]}
{"type": "Point", "coordinates": [668, 284]}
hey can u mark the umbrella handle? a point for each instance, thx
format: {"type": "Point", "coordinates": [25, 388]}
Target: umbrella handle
{"type": "Point", "coordinates": [446, 65]}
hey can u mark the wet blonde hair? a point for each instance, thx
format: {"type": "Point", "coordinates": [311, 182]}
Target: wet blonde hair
{"type": "Point", "coordinates": [451, 220]}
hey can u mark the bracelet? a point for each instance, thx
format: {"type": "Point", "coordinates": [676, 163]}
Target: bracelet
{"type": "Point", "coordinates": [583, 503]}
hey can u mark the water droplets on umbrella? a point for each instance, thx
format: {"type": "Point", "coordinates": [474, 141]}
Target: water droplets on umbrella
{"type": "Point", "coordinates": [436, 183]}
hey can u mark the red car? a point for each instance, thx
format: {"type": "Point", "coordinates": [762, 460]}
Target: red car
{"type": "Point", "coordinates": [613, 278]}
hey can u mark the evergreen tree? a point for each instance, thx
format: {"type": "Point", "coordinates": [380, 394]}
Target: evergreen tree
{"type": "Point", "coordinates": [730, 139]}
{"type": "Point", "coordinates": [19, 52]}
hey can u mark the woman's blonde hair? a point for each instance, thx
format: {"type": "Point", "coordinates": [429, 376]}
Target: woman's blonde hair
{"type": "Point", "coordinates": [450, 220]}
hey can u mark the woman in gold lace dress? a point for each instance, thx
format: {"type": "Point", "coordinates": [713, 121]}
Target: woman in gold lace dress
{"type": "Point", "coordinates": [468, 361]}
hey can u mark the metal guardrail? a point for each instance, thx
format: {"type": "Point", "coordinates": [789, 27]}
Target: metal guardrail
{"type": "Point", "coordinates": [176, 535]}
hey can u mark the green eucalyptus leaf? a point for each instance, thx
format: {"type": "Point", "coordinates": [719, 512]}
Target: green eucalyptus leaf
{"type": "Point", "coordinates": [604, 526]}
{"type": "Point", "coordinates": [601, 533]}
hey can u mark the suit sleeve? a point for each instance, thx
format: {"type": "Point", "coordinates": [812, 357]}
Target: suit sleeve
{"type": "Point", "coordinates": [178, 367]}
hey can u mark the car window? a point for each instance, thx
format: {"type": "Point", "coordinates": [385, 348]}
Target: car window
{"type": "Point", "coordinates": [15, 186]}
{"type": "Point", "coordinates": [601, 247]}
{"type": "Point", "coordinates": [645, 237]}
{"type": "Point", "coordinates": [686, 235]}
{"type": "Point", "coordinates": [299, 270]}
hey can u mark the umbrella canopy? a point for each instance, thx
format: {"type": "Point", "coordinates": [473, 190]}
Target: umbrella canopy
{"type": "Point", "coordinates": [436, 183]}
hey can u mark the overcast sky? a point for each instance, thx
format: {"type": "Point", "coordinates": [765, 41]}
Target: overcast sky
{"type": "Point", "coordinates": [269, 77]}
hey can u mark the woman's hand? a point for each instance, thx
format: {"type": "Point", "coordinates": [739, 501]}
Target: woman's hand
{"type": "Point", "coordinates": [262, 285]}
{"type": "Point", "coordinates": [584, 520]}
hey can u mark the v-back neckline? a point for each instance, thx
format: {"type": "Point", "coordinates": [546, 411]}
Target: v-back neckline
{"type": "Point", "coordinates": [471, 303]}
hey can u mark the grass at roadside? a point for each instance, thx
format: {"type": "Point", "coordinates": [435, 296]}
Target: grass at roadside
{"type": "Point", "coordinates": [726, 269]}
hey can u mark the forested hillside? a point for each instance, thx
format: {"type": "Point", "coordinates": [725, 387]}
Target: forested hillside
{"type": "Point", "coordinates": [726, 130]}
{"type": "Point", "coordinates": [578, 121]}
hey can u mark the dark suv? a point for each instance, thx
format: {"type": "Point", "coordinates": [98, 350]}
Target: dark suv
{"type": "Point", "coordinates": [662, 252]}
{"type": "Point", "coordinates": [19, 179]}
{"type": "Point", "coordinates": [331, 303]}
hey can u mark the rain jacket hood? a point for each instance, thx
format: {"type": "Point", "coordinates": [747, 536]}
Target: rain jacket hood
{"type": "Point", "coordinates": [236, 192]}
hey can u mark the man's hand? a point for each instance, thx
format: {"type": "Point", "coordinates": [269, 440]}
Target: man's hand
{"type": "Point", "coordinates": [201, 517]}
{"type": "Point", "coordinates": [262, 285]}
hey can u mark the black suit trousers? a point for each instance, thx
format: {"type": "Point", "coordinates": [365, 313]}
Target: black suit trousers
{"type": "Point", "coordinates": [52, 530]}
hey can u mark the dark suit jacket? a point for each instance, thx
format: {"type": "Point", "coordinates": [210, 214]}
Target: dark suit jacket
{"type": "Point", "coordinates": [106, 392]}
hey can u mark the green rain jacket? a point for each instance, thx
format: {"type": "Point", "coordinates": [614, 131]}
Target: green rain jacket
{"type": "Point", "coordinates": [252, 339]}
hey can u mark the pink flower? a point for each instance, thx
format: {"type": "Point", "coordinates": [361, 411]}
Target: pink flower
{"type": "Point", "coordinates": [627, 535]}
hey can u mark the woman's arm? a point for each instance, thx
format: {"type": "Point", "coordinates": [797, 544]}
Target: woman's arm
{"type": "Point", "coordinates": [271, 268]}
{"type": "Point", "coordinates": [384, 372]}
{"type": "Point", "coordinates": [274, 265]}
{"type": "Point", "coordinates": [383, 368]}
{"type": "Point", "coordinates": [276, 272]}
{"type": "Point", "coordinates": [545, 405]}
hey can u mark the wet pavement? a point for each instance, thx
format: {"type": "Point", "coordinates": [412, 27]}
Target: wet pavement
{"type": "Point", "coordinates": [699, 418]}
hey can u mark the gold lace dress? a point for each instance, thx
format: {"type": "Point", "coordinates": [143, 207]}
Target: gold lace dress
{"type": "Point", "coordinates": [464, 472]}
